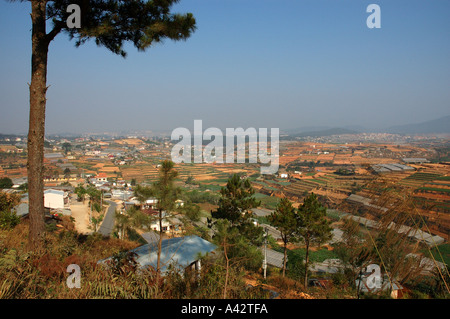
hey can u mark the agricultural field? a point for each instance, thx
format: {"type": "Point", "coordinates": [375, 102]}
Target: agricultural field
{"type": "Point", "coordinates": [429, 182]}
{"type": "Point", "coordinates": [443, 254]}
{"type": "Point", "coordinates": [13, 165]}
{"type": "Point", "coordinates": [331, 170]}
{"type": "Point", "coordinates": [419, 178]}
{"type": "Point", "coordinates": [130, 141]}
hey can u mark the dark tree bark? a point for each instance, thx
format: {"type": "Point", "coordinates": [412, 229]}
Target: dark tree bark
{"type": "Point", "coordinates": [306, 263]}
{"type": "Point", "coordinates": [134, 21]}
{"type": "Point", "coordinates": [285, 258]}
{"type": "Point", "coordinates": [158, 261]}
{"type": "Point", "coordinates": [36, 131]}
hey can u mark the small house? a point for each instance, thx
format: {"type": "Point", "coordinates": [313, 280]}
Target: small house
{"type": "Point", "coordinates": [182, 253]}
{"type": "Point", "coordinates": [101, 177]}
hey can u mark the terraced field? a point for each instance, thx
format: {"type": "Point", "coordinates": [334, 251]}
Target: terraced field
{"type": "Point", "coordinates": [419, 178]}
{"type": "Point", "coordinates": [437, 192]}
{"type": "Point", "coordinates": [269, 202]}
{"type": "Point", "coordinates": [325, 183]}
{"type": "Point", "coordinates": [431, 204]}
{"type": "Point", "coordinates": [204, 173]}
{"type": "Point", "coordinates": [139, 172]}
{"type": "Point", "coordinates": [299, 188]}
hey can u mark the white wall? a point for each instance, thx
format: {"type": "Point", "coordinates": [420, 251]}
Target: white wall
{"type": "Point", "coordinates": [52, 200]}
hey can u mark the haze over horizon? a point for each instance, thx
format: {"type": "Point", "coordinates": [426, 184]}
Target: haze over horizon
{"type": "Point", "coordinates": [259, 63]}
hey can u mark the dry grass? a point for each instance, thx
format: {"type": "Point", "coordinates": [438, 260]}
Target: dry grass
{"type": "Point", "coordinates": [29, 275]}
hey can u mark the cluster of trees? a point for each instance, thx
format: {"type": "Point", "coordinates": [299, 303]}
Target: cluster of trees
{"type": "Point", "coordinates": [238, 238]}
{"type": "Point", "coordinates": [5, 182]}
{"type": "Point", "coordinates": [234, 229]}
{"type": "Point", "coordinates": [345, 171]}
{"type": "Point", "coordinates": [235, 232]}
{"type": "Point", "coordinates": [126, 222]}
{"type": "Point", "coordinates": [66, 147]}
{"type": "Point", "coordinates": [95, 202]}
{"type": "Point", "coordinates": [196, 196]}
{"type": "Point", "coordinates": [306, 224]}
{"type": "Point", "coordinates": [298, 166]}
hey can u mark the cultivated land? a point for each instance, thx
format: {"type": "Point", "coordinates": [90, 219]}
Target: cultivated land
{"type": "Point", "coordinates": [341, 170]}
{"type": "Point", "coordinates": [332, 167]}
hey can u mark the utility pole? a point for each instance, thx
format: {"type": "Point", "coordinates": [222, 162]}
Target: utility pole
{"type": "Point", "coordinates": [90, 211]}
{"type": "Point", "coordinates": [265, 253]}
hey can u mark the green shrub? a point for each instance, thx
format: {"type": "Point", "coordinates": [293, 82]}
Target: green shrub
{"type": "Point", "coordinates": [8, 219]}
{"type": "Point", "coordinates": [295, 266]}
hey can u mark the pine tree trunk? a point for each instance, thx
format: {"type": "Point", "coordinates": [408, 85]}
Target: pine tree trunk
{"type": "Point", "coordinates": [358, 289]}
{"type": "Point", "coordinates": [284, 260]}
{"type": "Point", "coordinates": [158, 262]}
{"type": "Point", "coordinates": [36, 132]}
{"type": "Point", "coordinates": [225, 287]}
{"type": "Point", "coordinates": [306, 264]}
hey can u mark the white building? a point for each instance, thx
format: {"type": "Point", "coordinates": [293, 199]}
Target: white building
{"type": "Point", "coordinates": [101, 177]}
{"type": "Point", "coordinates": [168, 224]}
{"type": "Point", "coordinates": [152, 201]}
{"type": "Point", "coordinates": [54, 199]}
{"type": "Point", "coordinates": [164, 223]}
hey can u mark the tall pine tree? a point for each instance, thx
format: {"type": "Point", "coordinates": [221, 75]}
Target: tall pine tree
{"type": "Point", "coordinates": [110, 23]}
{"type": "Point", "coordinates": [235, 205]}
{"type": "Point", "coordinates": [313, 227]}
{"type": "Point", "coordinates": [284, 218]}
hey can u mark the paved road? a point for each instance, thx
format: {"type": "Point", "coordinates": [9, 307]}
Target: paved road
{"type": "Point", "coordinates": [107, 225]}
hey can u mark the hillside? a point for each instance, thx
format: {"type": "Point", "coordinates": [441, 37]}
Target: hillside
{"type": "Point", "coordinates": [441, 125]}
{"type": "Point", "coordinates": [327, 132]}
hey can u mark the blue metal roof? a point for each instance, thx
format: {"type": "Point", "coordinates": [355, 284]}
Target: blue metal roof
{"type": "Point", "coordinates": [179, 251]}
{"type": "Point", "coordinates": [21, 209]}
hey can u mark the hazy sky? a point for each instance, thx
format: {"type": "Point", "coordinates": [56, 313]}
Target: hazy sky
{"type": "Point", "coordinates": [251, 63]}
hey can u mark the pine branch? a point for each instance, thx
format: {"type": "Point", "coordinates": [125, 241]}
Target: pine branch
{"type": "Point", "coordinates": [58, 26]}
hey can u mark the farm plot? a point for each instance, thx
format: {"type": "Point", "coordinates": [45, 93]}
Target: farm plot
{"type": "Point", "coordinates": [418, 179]}
{"type": "Point", "coordinates": [436, 192]}
{"type": "Point", "coordinates": [139, 172]}
{"type": "Point", "coordinates": [299, 188]}
{"type": "Point", "coordinates": [269, 202]}
{"type": "Point", "coordinates": [284, 159]}
{"type": "Point", "coordinates": [326, 157]}
{"type": "Point", "coordinates": [342, 159]}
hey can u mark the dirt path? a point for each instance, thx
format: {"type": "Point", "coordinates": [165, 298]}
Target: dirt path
{"type": "Point", "coordinates": [80, 212]}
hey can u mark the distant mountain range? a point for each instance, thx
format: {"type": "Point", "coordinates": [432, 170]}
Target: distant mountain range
{"type": "Point", "coordinates": [440, 125]}
{"type": "Point", "coordinates": [437, 126]}
{"type": "Point", "coordinates": [325, 132]}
